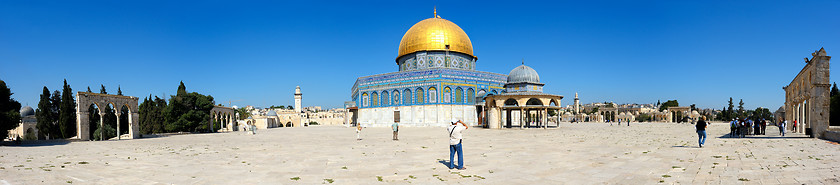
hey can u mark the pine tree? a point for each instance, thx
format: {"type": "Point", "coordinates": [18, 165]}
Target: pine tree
{"type": "Point", "coordinates": [119, 91]}
{"type": "Point", "coordinates": [834, 90]}
{"type": "Point", "coordinates": [89, 90]}
{"type": "Point", "coordinates": [44, 115]}
{"type": "Point", "coordinates": [102, 90]}
{"type": "Point", "coordinates": [741, 108]}
{"type": "Point", "coordinates": [67, 112]}
{"type": "Point", "coordinates": [9, 110]}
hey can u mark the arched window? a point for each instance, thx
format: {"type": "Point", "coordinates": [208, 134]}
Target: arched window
{"type": "Point", "coordinates": [419, 94]}
{"type": "Point", "coordinates": [407, 97]}
{"type": "Point", "coordinates": [386, 99]}
{"type": "Point", "coordinates": [447, 95]}
{"type": "Point", "coordinates": [433, 95]}
{"type": "Point", "coordinates": [365, 100]}
{"type": "Point", "coordinates": [396, 97]}
{"type": "Point", "coordinates": [459, 95]}
{"type": "Point", "coordinates": [470, 95]}
{"type": "Point", "coordinates": [375, 97]}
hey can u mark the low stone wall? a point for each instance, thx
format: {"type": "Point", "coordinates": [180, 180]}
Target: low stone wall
{"type": "Point", "coordinates": [833, 134]}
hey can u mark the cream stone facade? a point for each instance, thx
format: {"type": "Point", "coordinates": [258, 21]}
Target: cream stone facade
{"type": "Point", "coordinates": [26, 129]}
{"type": "Point", "coordinates": [85, 99]}
{"type": "Point", "coordinates": [807, 96]}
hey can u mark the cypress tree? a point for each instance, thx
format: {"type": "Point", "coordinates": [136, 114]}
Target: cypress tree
{"type": "Point", "coordinates": [67, 112]}
{"type": "Point", "coordinates": [102, 90]}
{"type": "Point", "coordinates": [119, 91]}
{"type": "Point", "coordinates": [55, 101]}
{"type": "Point", "coordinates": [44, 115]}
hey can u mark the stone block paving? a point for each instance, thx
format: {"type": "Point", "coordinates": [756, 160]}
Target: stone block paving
{"type": "Point", "coordinates": [579, 153]}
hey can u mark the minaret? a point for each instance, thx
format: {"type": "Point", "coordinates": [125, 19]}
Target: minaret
{"type": "Point", "coordinates": [298, 97]}
{"type": "Point", "coordinates": [577, 104]}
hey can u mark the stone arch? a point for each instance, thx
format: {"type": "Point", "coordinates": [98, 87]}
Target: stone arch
{"type": "Point", "coordinates": [553, 102]}
{"type": "Point", "coordinates": [534, 101]}
{"type": "Point", "coordinates": [511, 101]}
{"type": "Point", "coordinates": [83, 125]}
{"type": "Point", "coordinates": [289, 124]}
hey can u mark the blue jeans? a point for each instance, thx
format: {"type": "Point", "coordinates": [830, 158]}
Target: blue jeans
{"type": "Point", "coordinates": [702, 134]}
{"type": "Point", "coordinates": [452, 150]}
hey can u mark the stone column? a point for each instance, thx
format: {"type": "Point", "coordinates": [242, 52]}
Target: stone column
{"type": "Point", "coordinates": [82, 125]}
{"type": "Point", "coordinates": [118, 124]}
{"type": "Point", "coordinates": [133, 126]}
{"type": "Point", "coordinates": [521, 117]}
{"type": "Point", "coordinates": [101, 126]}
{"type": "Point", "coordinates": [493, 118]}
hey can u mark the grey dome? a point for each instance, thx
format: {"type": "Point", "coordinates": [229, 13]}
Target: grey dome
{"type": "Point", "coordinates": [271, 113]}
{"type": "Point", "coordinates": [523, 74]}
{"type": "Point", "coordinates": [27, 111]}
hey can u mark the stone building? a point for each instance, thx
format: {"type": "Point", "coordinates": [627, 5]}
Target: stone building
{"type": "Point", "coordinates": [26, 129]}
{"type": "Point", "coordinates": [436, 81]}
{"type": "Point", "coordinates": [523, 103]}
{"type": "Point", "coordinates": [807, 96]}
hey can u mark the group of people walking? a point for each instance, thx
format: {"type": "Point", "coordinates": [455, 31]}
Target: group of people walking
{"type": "Point", "coordinates": [741, 127]}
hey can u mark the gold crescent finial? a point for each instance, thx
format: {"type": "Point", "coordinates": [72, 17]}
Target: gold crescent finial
{"type": "Point", "coordinates": [435, 8]}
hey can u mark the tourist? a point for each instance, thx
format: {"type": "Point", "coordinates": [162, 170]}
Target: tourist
{"type": "Point", "coordinates": [757, 127]}
{"type": "Point", "coordinates": [763, 127]}
{"type": "Point", "coordinates": [794, 126]}
{"type": "Point", "coordinates": [396, 128]}
{"type": "Point", "coordinates": [742, 127]}
{"type": "Point", "coordinates": [733, 128]}
{"type": "Point", "coordinates": [701, 130]}
{"type": "Point", "coordinates": [782, 125]}
{"type": "Point", "coordinates": [358, 131]}
{"type": "Point", "coordinates": [455, 144]}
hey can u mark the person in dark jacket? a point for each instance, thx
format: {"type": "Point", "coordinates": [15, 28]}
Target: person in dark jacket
{"type": "Point", "coordinates": [701, 130]}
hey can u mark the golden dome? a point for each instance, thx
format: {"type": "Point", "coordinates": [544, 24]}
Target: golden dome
{"type": "Point", "coordinates": [433, 34]}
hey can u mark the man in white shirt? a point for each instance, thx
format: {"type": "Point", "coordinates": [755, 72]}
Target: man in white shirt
{"type": "Point", "coordinates": [455, 138]}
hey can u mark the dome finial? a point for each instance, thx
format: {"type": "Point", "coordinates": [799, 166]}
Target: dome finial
{"type": "Point", "coordinates": [435, 8]}
{"type": "Point", "coordinates": [523, 61]}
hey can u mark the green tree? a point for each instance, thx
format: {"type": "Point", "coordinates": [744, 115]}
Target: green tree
{"type": "Point", "coordinates": [44, 115]}
{"type": "Point", "coordinates": [67, 112]}
{"type": "Point", "coordinates": [643, 117]}
{"type": "Point", "coordinates": [102, 90]}
{"type": "Point", "coordinates": [669, 103]}
{"type": "Point", "coordinates": [741, 112]}
{"type": "Point", "coordinates": [290, 107]}
{"type": "Point", "coordinates": [144, 110]}
{"type": "Point", "coordinates": [119, 91]}
{"type": "Point", "coordinates": [55, 101]}
{"type": "Point", "coordinates": [89, 90]}
{"type": "Point", "coordinates": [151, 115]}
{"type": "Point", "coordinates": [730, 114]}
{"type": "Point", "coordinates": [188, 112]}
{"type": "Point", "coordinates": [9, 110]}
{"type": "Point", "coordinates": [243, 114]}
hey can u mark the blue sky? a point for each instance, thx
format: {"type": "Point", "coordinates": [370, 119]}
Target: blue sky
{"type": "Point", "coordinates": [697, 52]}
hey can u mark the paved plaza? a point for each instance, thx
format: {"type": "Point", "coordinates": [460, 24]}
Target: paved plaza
{"type": "Point", "coordinates": [582, 153]}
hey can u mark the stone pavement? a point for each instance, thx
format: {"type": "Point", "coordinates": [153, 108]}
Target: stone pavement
{"type": "Point", "coordinates": [580, 153]}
